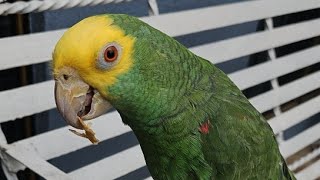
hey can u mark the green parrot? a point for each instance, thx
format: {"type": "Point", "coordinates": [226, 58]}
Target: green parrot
{"type": "Point", "coordinates": [191, 120]}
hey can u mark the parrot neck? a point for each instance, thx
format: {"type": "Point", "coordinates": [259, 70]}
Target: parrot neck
{"type": "Point", "coordinates": [173, 156]}
{"type": "Point", "coordinates": [172, 144]}
{"type": "Point", "coordinates": [161, 114]}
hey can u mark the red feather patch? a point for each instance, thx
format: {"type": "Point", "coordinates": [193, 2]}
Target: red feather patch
{"type": "Point", "coordinates": [204, 127]}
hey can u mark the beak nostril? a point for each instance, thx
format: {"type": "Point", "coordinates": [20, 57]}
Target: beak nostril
{"type": "Point", "coordinates": [65, 77]}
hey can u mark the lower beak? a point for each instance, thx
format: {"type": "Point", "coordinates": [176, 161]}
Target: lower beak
{"type": "Point", "coordinates": [76, 100]}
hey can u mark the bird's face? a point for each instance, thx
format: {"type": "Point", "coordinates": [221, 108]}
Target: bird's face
{"type": "Point", "coordinates": [86, 61]}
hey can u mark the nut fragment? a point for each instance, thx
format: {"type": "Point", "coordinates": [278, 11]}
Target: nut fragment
{"type": "Point", "coordinates": [89, 134]}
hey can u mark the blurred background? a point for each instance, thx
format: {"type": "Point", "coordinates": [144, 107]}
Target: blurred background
{"type": "Point", "coordinates": [18, 24]}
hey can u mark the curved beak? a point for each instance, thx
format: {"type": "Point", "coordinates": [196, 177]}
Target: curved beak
{"type": "Point", "coordinates": [75, 99]}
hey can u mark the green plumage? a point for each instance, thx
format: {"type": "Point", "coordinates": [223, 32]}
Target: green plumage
{"type": "Point", "coordinates": [170, 93]}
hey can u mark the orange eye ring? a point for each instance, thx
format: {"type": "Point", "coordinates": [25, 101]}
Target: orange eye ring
{"type": "Point", "coordinates": [110, 54]}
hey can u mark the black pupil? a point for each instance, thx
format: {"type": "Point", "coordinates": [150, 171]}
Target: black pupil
{"type": "Point", "coordinates": [110, 54]}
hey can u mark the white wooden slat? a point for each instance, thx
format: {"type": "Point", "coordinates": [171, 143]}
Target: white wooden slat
{"type": "Point", "coordinates": [27, 100]}
{"type": "Point", "coordinates": [9, 165]}
{"type": "Point", "coordinates": [274, 82]}
{"type": "Point", "coordinates": [248, 44]}
{"type": "Point", "coordinates": [272, 69]}
{"type": "Point", "coordinates": [310, 172]}
{"type": "Point", "coordinates": [27, 49]}
{"type": "Point", "coordinates": [305, 159]}
{"type": "Point", "coordinates": [295, 115]}
{"type": "Point", "coordinates": [185, 22]}
{"type": "Point", "coordinates": [300, 141]}
{"type": "Point", "coordinates": [37, 48]}
{"type": "Point", "coordinates": [29, 158]}
{"type": "Point", "coordinates": [9, 175]}
{"type": "Point", "coordinates": [112, 167]}
{"type": "Point", "coordinates": [287, 92]}
{"type": "Point", "coordinates": [106, 127]}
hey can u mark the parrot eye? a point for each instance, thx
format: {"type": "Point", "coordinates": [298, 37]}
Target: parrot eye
{"type": "Point", "coordinates": [109, 56]}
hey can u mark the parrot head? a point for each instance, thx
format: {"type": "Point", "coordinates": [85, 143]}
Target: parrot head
{"type": "Point", "coordinates": [113, 60]}
{"type": "Point", "coordinates": [86, 61]}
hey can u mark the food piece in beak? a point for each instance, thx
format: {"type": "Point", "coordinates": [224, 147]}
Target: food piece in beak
{"type": "Point", "coordinates": [77, 101]}
{"type": "Point", "coordinates": [89, 133]}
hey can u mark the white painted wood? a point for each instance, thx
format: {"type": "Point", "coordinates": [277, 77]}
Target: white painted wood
{"type": "Point", "coordinates": [26, 100]}
{"type": "Point", "coordinates": [315, 153]}
{"type": "Point", "coordinates": [285, 93]}
{"type": "Point", "coordinates": [37, 48]}
{"type": "Point", "coordinates": [248, 44]}
{"type": "Point", "coordinates": [153, 7]}
{"type": "Point", "coordinates": [9, 175]}
{"type": "Point", "coordinates": [9, 165]}
{"type": "Point", "coordinates": [36, 163]}
{"type": "Point", "coordinates": [271, 69]}
{"type": "Point", "coordinates": [27, 49]}
{"type": "Point", "coordinates": [63, 141]}
{"type": "Point", "coordinates": [113, 166]}
{"type": "Point", "coordinates": [310, 172]}
{"type": "Point", "coordinates": [300, 141]}
{"type": "Point", "coordinates": [196, 20]}
{"type": "Point", "coordinates": [295, 115]}
{"type": "Point", "coordinates": [274, 82]}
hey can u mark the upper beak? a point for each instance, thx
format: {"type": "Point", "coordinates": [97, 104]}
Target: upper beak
{"type": "Point", "coordinates": [74, 98]}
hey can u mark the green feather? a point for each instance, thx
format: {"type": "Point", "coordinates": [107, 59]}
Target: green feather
{"type": "Point", "coordinates": [169, 93]}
